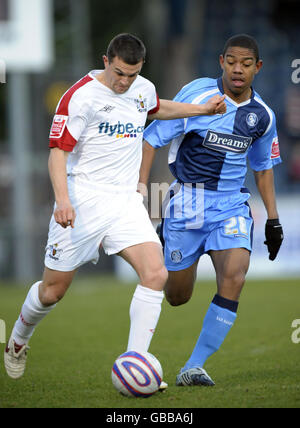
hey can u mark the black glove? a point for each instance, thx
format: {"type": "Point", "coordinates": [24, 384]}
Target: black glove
{"type": "Point", "coordinates": [274, 237]}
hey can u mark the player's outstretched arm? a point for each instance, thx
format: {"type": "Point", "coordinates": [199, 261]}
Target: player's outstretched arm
{"type": "Point", "coordinates": [175, 110]}
{"type": "Point", "coordinates": [64, 213]}
{"type": "Point", "coordinates": [273, 229]}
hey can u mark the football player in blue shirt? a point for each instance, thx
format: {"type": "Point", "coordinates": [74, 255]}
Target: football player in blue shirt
{"type": "Point", "coordinates": [206, 209]}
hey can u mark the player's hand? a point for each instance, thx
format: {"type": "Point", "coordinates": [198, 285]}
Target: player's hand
{"type": "Point", "coordinates": [64, 214]}
{"type": "Point", "coordinates": [216, 105]}
{"type": "Point", "coordinates": [142, 189]}
{"type": "Point", "coordinates": [274, 237]}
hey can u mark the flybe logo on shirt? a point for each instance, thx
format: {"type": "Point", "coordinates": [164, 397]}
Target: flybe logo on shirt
{"type": "Point", "coordinates": [226, 142]}
{"type": "Point", "coordinates": [120, 130]}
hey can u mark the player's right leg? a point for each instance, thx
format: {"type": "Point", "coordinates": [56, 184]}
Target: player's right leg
{"type": "Point", "coordinates": [182, 250]}
{"type": "Point", "coordinates": [147, 260]}
{"type": "Point", "coordinates": [40, 300]}
{"type": "Point", "coordinates": [54, 285]}
{"type": "Point", "coordinates": [180, 285]}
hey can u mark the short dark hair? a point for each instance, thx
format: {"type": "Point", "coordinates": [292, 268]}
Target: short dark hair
{"type": "Point", "coordinates": [127, 47]}
{"type": "Point", "coordinates": [242, 41]}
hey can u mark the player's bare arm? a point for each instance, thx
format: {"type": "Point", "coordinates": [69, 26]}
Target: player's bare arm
{"type": "Point", "coordinates": [273, 229]}
{"type": "Point", "coordinates": [64, 213]}
{"type": "Point", "coordinates": [265, 185]}
{"type": "Point", "coordinates": [147, 161]}
{"type": "Point", "coordinates": [174, 110]}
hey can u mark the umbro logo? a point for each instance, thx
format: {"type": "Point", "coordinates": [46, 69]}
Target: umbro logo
{"type": "Point", "coordinates": [107, 108]}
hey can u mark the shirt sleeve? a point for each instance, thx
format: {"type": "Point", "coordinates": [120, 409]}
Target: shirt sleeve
{"type": "Point", "coordinates": [161, 132]}
{"type": "Point", "coordinates": [68, 125]}
{"type": "Point", "coordinates": [152, 100]}
{"type": "Point", "coordinates": [264, 152]}
{"type": "Point", "coordinates": [156, 108]}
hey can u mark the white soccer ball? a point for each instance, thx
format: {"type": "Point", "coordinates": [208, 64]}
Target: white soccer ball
{"type": "Point", "coordinates": [137, 374]}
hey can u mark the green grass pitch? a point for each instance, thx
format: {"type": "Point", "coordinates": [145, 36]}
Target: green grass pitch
{"type": "Point", "coordinates": [74, 347]}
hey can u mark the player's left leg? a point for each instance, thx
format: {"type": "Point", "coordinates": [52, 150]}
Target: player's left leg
{"type": "Point", "coordinates": [231, 267]}
{"type": "Point", "coordinates": [145, 308]}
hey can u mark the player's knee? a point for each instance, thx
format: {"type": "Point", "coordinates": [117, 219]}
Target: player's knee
{"type": "Point", "coordinates": [238, 280]}
{"type": "Point", "coordinates": [156, 277]}
{"type": "Point", "coordinates": [232, 285]}
{"type": "Point", "coordinates": [178, 290]}
{"type": "Point", "coordinates": [162, 276]}
{"type": "Point", "coordinates": [50, 297]}
{"type": "Point", "coordinates": [176, 298]}
{"type": "Point", "coordinates": [51, 294]}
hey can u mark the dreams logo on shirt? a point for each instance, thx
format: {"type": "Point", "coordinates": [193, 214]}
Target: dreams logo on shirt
{"type": "Point", "coordinates": [226, 142]}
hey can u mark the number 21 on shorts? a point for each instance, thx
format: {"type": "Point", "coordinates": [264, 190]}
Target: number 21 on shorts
{"type": "Point", "coordinates": [236, 226]}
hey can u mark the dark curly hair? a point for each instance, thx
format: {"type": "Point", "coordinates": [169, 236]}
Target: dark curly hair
{"type": "Point", "coordinates": [242, 41]}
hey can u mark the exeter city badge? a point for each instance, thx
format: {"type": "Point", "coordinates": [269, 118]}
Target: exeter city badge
{"type": "Point", "coordinates": [54, 252]}
{"type": "Point", "coordinates": [141, 103]}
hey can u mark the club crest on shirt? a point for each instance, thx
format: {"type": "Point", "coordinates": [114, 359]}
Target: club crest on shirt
{"type": "Point", "coordinates": [54, 252]}
{"type": "Point", "coordinates": [251, 119]}
{"type": "Point", "coordinates": [141, 103]}
{"type": "Point", "coordinates": [176, 256]}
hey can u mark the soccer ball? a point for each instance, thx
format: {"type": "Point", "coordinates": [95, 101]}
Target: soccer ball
{"type": "Point", "coordinates": [137, 374]}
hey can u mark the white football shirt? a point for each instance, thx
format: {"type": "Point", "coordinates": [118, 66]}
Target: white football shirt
{"type": "Point", "coordinates": [102, 130]}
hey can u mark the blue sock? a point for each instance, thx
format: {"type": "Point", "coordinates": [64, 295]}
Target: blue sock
{"type": "Point", "coordinates": [218, 321]}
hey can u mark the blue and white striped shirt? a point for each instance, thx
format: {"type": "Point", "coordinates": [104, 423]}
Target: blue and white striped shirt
{"type": "Point", "coordinates": [213, 150]}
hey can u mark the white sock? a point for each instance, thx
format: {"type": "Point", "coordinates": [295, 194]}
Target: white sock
{"type": "Point", "coordinates": [32, 312]}
{"type": "Point", "coordinates": [144, 314]}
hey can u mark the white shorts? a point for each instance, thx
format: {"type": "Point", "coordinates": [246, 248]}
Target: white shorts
{"type": "Point", "coordinates": [113, 219]}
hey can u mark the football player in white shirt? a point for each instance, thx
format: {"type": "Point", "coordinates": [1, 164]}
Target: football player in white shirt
{"type": "Point", "coordinates": [96, 150]}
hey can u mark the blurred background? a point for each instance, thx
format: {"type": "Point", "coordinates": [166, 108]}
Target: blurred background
{"type": "Point", "coordinates": [47, 45]}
